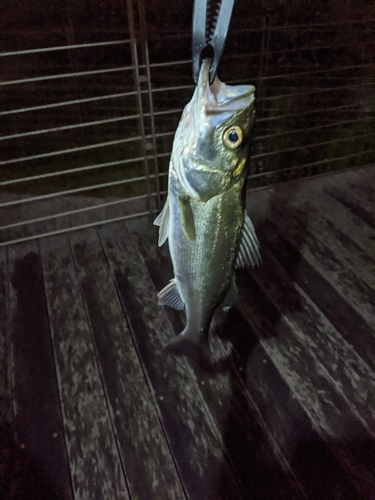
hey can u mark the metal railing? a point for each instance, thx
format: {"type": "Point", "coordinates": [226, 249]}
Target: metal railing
{"type": "Point", "coordinates": [86, 138]}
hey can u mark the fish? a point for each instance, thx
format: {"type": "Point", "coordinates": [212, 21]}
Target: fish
{"type": "Point", "coordinates": [204, 219]}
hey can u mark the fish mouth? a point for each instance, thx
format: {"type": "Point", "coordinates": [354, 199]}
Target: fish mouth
{"type": "Point", "coordinates": [220, 97]}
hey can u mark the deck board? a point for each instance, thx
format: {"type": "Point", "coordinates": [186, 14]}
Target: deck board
{"type": "Point", "coordinates": [39, 451]}
{"type": "Point", "coordinates": [310, 456]}
{"type": "Point", "coordinates": [310, 333]}
{"type": "Point", "coordinates": [94, 460]}
{"type": "Point", "coordinates": [351, 192]}
{"type": "Point", "coordinates": [328, 413]}
{"type": "Point", "coordinates": [6, 434]}
{"type": "Point", "coordinates": [310, 195]}
{"type": "Point", "coordinates": [148, 464]}
{"type": "Point", "coordinates": [286, 407]}
{"type": "Point", "coordinates": [347, 251]}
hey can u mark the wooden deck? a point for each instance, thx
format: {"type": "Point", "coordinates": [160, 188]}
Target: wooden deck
{"type": "Point", "coordinates": [92, 408]}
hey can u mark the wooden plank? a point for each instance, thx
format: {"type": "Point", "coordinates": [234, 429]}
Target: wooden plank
{"type": "Point", "coordinates": [365, 178]}
{"type": "Point", "coordinates": [328, 412]}
{"type": "Point", "coordinates": [193, 437]}
{"type": "Point", "coordinates": [246, 440]}
{"type": "Point", "coordinates": [310, 331]}
{"type": "Point", "coordinates": [344, 318]}
{"type": "Point", "coordinates": [95, 464]}
{"type": "Point", "coordinates": [350, 195]}
{"type": "Point", "coordinates": [315, 465]}
{"type": "Point", "coordinates": [349, 253]}
{"type": "Point", "coordinates": [6, 435]}
{"type": "Point", "coordinates": [354, 291]}
{"type": "Point", "coordinates": [149, 467]}
{"type": "Point", "coordinates": [38, 461]}
{"type": "Point", "coordinates": [310, 194]}
{"type": "Point", "coordinates": [350, 189]}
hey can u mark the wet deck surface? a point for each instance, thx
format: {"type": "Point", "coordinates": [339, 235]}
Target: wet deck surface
{"type": "Point", "coordinates": [93, 409]}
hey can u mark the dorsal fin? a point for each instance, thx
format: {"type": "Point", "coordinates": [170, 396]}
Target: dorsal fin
{"type": "Point", "coordinates": [248, 252]}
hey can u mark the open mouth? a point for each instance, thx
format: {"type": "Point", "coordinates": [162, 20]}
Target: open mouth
{"type": "Point", "coordinates": [220, 97]}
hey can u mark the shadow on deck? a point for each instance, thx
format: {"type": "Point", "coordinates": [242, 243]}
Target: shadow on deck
{"type": "Point", "coordinates": [92, 408]}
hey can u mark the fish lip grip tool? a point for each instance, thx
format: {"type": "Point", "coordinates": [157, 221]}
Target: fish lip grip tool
{"type": "Point", "coordinates": [210, 27]}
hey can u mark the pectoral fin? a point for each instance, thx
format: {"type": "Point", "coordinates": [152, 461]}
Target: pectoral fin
{"type": "Point", "coordinates": [187, 217]}
{"type": "Point", "coordinates": [170, 296]}
{"type": "Point", "coordinates": [248, 253]}
{"type": "Point", "coordinates": [162, 220]}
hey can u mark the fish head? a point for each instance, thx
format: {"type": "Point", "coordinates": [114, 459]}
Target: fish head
{"type": "Point", "coordinates": [212, 141]}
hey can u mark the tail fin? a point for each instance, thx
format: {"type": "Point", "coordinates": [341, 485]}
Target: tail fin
{"type": "Point", "coordinates": [188, 345]}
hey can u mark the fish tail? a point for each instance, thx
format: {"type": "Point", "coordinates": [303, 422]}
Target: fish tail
{"type": "Point", "coordinates": [188, 343]}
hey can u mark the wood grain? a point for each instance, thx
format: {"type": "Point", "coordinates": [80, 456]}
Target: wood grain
{"type": "Point", "coordinates": [149, 466]}
{"type": "Point", "coordinates": [95, 463]}
{"type": "Point", "coordinates": [38, 459]}
{"type": "Point", "coordinates": [193, 438]}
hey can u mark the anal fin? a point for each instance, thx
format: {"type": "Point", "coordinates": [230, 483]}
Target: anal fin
{"type": "Point", "coordinates": [231, 298]}
{"type": "Point", "coordinates": [170, 296]}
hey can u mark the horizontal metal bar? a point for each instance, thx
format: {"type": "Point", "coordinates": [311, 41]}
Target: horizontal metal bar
{"type": "Point", "coordinates": [65, 75]}
{"type": "Point", "coordinates": [170, 63]}
{"type": "Point", "coordinates": [70, 171]}
{"type": "Point", "coordinates": [68, 127]}
{"type": "Point", "coordinates": [67, 103]}
{"type": "Point", "coordinates": [79, 169]}
{"type": "Point", "coordinates": [84, 124]}
{"type": "Point", "coordinates": [307, 146]}
{"type": "Point", "coordinates": [298, 130]}
{"type": "Point", "coordinates": [71, 212]}
{"type": "Point", "coordinates": [81, 148]}
{"type": "Point", "coordinates": [256, 54]}
{"type": "Point", "coordinates": [323, 69]}
{"type": "Point", "coordinates": [288, 28]}
{"type": "Point", "coordinates": [298, 49]}
{"type": "Point", "coordinates": [62, 47]}
{"type": "Point", "coordinates": [235, 82]}
{"type": "Point", "coordinates": [84, 189]}
{"type": "Point", "coordinates": [317, 91]}
{"type": "Point", "coordinates": [176, 87]}
{"type": "Point", "coordinates": [71, 150]}
{"type": "Point", "coordinates": [312, 164]}
{"type": "Point", "coordinates": [75, 228]}
{"type": "Point", "coordinates": [312, 111]}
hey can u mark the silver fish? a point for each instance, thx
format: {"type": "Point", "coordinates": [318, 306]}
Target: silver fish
{"type": "Point", "coordinates": [204, 216]}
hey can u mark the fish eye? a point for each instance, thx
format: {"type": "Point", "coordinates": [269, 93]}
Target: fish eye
{"type": "Point", "coordinates": [233, 137]}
